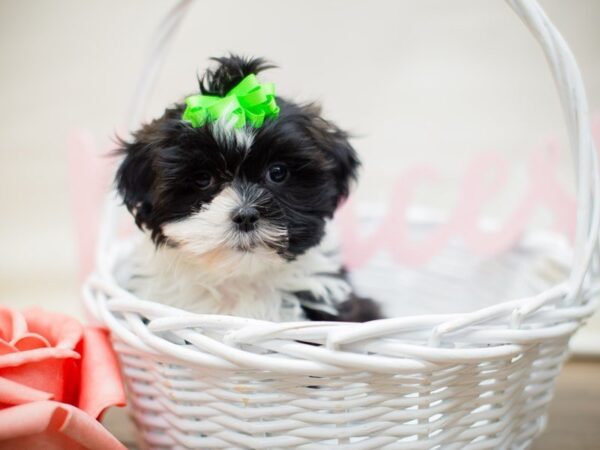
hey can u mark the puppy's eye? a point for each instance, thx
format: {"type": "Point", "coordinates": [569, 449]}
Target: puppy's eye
{"type": "Point", "coordinates": [204, 180]}
{"type": "Point", "coordinates": [277, 173]}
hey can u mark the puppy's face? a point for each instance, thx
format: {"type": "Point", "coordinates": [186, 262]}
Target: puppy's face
{"type": "Point", "coordinates": [217, 190]}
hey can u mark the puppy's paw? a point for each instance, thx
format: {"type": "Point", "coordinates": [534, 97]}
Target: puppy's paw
{"type": "Point", "coordinates": [358, 309]}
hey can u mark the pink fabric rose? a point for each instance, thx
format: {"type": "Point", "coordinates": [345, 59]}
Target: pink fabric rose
{"type": "Point", "coordinates": [48, 360]}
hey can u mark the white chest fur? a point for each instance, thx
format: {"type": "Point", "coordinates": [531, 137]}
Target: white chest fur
{"type": "Point", "coordinates": [258, 284]}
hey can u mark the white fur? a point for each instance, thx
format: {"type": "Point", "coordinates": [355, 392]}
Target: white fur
{"type": "Point", "coordinates": [211, 229]}
{"type": "Point", "coordinates": [213, 269]}
{"type": "Point", "coordinates": [227, 135]}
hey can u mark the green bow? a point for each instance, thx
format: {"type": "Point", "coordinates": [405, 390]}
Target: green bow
{"type": "Point", "coordinates": [248, 102]}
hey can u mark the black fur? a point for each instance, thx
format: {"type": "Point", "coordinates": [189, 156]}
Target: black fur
{"type": "Point", "coordinates": [229, 72]}
{"type": "Point", "coordinates": [354, 309]}
{"type": "Point", "coordinates": [158, 176]}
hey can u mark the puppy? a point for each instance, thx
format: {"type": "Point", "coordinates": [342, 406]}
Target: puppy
{"type": "Point", "coordinates": [236, 217]}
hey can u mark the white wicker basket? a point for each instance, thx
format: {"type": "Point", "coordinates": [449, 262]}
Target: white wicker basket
{"type": "Point", "coordinates": [480, 379]}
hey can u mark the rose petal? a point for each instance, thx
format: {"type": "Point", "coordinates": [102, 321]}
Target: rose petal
{"type": "Point", "coordinates": [40, 354]}
{"type": "Point", "coordinates": [14, 393]}
{"type": "Point", "coordinates": [5, 347]}
{"type": "Point", "coordinates": [31, 341]}
{"type": "Point", "coordinates": [61, 331]}
{"type": "Point", "coordinates": [48, 425]}
{"type": "Point", "coordinates": [5, 324]}
{"type": "Point", "coordinates": [101, 382]}
{"type": "Point", "coordinates": [55, 376]}
{"type": "Point", "coordinates": [12, 324]}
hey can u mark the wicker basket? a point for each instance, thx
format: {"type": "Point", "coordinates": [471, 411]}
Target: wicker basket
{"type": "Point", "coordinates": [479, 379]}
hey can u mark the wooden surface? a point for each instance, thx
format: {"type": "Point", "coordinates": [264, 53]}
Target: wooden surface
{"type": "Point", "coordinates": [575, 411]}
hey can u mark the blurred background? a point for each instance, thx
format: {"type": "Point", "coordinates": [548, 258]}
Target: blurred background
{"type": "Point", "coordinates": [430, 81]}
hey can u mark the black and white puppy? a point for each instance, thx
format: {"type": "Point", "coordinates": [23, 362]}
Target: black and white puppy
{"type": "Point", "coordinates": [236, 218]}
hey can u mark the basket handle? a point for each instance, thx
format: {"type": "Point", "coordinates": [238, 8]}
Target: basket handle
{"type": "Point", "coordinates": [112, 209]}
{"type": "Point", "coordinates": [570, 88]}
{"type": "Point", "coordinates": [569, 83]}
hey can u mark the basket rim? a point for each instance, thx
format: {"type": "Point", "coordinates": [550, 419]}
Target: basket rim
{"type": "Point", "coordinates": [504, 329]}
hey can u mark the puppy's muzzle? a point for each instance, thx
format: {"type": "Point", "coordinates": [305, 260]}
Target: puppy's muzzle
{"type": "Point", "coordinates": [245, 218]}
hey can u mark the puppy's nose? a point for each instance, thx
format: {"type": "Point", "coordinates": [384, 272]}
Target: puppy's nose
{"type": "Point", "coordinates": [246, 218]}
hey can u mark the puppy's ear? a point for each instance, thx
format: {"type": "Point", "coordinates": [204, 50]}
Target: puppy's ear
{"type": "Point", "coordinates": [334, 142]}
{"type": "Point", "coordinates": [135, 178]}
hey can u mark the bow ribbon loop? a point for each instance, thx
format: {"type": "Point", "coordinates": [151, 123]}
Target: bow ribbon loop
{"type": "Point", "coordinates": [249, 102]}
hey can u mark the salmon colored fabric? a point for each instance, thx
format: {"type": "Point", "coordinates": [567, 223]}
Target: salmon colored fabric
{"type": "Point", "coordinates": [47, 356]}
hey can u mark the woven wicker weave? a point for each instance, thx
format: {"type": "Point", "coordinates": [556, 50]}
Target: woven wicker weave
{"type": "Point", "coordinates": [479, 379]}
